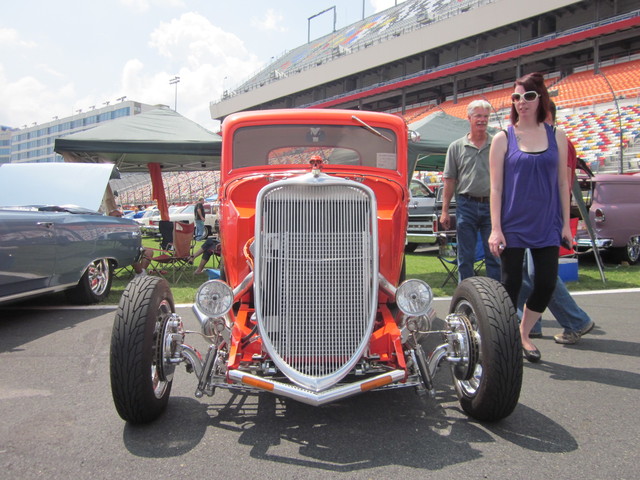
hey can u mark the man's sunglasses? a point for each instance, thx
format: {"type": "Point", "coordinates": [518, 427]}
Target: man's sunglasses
{"type": "Point", "coordinates": [528, 96]}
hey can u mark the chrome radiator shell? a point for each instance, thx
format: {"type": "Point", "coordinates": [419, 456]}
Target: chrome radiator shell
{"type": "Point", "coordinates": [316, 276]}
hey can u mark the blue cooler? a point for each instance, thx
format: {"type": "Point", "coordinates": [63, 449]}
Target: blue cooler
{"type": "Point", "coordinates": [213, 273]}
{"type": "Point", "coordinates": [568, 269]}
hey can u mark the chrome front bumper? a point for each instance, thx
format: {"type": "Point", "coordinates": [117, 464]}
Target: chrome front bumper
{"type": "Point", "coordinates": [316, 398]}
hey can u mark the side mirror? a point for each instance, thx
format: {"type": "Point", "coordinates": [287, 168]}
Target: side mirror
{"type": "Point", "coordinates": [414, 136]}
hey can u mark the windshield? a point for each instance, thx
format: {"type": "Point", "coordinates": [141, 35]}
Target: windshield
{"type": "Point", "coordinates": [295, 145]}
{"type": "Point", "coordinates": [420, 190]}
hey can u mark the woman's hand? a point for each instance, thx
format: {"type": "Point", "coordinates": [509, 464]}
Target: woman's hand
{"type": "Point", "coordinates": [497, 243]}
{"type": "Point", "coordinates": [567, 237]}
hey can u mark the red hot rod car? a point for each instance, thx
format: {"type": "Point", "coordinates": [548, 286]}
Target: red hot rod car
{"type": "Point", "coordinates": [312, 303]}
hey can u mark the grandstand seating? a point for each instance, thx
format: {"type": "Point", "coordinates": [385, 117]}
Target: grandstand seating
{"type": "Point", "coordinates": [595, 135]}
{"type": "Point", "coordinates": [181, 188]}
{"type": "Point", "coordinates": [588, 88]}
{"type": "Point", "coordinates": [399, 20]}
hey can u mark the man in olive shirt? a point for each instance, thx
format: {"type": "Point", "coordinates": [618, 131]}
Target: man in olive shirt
{"type": "Point", "coordinates": [466, 173]}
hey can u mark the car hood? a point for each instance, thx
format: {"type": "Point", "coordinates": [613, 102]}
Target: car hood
{"type": "Point", "coordinates": [67, 185]}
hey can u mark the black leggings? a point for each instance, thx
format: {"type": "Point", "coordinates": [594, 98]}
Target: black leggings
{"type": "Point", "coordinates": [545, 263]}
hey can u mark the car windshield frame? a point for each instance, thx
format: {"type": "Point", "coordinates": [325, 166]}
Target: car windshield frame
{"type": "Point", "coordinates": [295, 144]}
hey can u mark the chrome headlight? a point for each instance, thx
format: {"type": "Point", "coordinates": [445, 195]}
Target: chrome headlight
{"type": "Point", "coordinates": [414, 297]}
{"type": "Point", "coordinates": [214, 298]}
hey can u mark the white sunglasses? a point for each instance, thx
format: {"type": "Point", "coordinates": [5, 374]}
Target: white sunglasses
{"type": "Point", "coordinates": [529, 96]}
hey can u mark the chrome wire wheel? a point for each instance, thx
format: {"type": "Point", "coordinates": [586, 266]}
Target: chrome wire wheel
{"type": "Point", "coordinates": [98, 276]}
{"type": "Point", "coordinates": [633, 250]}
{"type": "Point", "coordinates": [159, 379]}
{"type": "Point", "coordinates": [469, 374]}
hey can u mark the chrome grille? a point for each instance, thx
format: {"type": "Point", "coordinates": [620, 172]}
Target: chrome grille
{"type": "Point", "coordinates": [316, 273]}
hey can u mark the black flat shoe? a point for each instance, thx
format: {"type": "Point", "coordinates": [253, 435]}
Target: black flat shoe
{"type": "Point", "coordinates": [532, 355]}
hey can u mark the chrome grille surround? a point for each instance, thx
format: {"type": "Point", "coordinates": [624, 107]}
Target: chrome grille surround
{"type": "Point", "coordinates": [316, 276]}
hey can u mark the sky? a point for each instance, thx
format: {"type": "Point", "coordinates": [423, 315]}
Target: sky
{"type": "Point", "coordinates": [61, 56]}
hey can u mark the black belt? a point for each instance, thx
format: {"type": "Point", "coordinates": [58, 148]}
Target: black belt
{"type": "Point", "coordinates": [477, 199]}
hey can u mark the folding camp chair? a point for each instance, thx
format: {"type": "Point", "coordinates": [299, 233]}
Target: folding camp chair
{"type": "Point", "coordinates": [448, 256]}
{"type": "Point", "coordinates": [178, 254]}
{"type": "Point", "coordinates": [165, 228]}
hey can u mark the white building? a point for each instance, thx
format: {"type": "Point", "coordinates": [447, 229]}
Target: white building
{"type": "Point", "coordinates": [35, 143]}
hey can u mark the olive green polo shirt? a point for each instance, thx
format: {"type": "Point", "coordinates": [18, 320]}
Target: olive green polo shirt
{"type": "Point", "coordinates": [469, 166]}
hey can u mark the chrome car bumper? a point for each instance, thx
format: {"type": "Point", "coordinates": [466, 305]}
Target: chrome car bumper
{"type": "Point", "coordinates": [316, 398]}
{"type": "Point", "coordinates": [600, 242]}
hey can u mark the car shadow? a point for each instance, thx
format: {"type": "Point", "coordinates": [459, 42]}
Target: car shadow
{"type": "Point", "coordinates": [346, 436]}
{"type": "Point", "coordinates": [21, 323]}
{"type": "Point", "coordinates": [180, 429]}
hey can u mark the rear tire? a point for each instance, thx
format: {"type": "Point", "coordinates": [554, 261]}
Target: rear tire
{"type": "Point", "coordinates": [94, 285]}
{"type": "Point", "coordinates": [629, 253]}
{"type": "Point", "coordinates": [139, 385]}
{"type": "Point", "coordinates": [492, 391]}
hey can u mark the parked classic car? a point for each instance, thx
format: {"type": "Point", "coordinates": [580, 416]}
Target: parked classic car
{"type": "Point", "coordinates": [51, 236]}
{"type": "Point", "coordinates": [312, 303]}
{"type": "Point", "coordinates": [186, 214]}
{"type": "Point", "coordinates": [145, 220]}
{"type": "Point", "coordinates": [614, 212]}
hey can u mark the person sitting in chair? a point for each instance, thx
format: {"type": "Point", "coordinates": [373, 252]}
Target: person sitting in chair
{"type": "Point", "coordinates": [207, 249]}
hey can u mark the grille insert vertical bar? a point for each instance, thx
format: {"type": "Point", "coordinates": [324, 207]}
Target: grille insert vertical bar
{"type": "Point", "coordinates": [317, 276]}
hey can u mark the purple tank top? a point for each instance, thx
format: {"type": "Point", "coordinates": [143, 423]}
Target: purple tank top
{"type": "Point", "coordinates": [531, 211]}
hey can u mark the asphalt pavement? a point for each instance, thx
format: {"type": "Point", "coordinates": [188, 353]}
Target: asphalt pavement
{"type": "Point", "coordinates": [578, 415]}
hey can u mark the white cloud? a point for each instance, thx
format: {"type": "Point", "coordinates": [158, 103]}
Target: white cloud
{"type": "Point", "coordinates": [272, 21]}
{"type": "Point", "coordinates": [205, 57]}
{"type": "Point", "coordinates": [10, 38]}
{"type": "Point", "coordinates": [27, 99]}
{"type": "Point", "coordinates": [142, 6]}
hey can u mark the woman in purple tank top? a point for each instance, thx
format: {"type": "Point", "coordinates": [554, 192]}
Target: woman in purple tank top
{"type": "Point", "coordinates": [529, 200]}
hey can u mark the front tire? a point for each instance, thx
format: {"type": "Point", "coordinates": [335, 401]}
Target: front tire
{"type": "Point", "coordinates": [492, 390]}
{"type": "Point", "coordinates": [139, 385]}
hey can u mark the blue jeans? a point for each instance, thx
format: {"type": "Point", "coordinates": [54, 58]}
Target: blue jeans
{"type": "Point", "coordinates": [200, 229]}
{"type": "Point", "coordinates": [473, 217]}
{"type": "Point", "coordinates": [562, 305]}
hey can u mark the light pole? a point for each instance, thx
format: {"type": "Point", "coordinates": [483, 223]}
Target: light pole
{"type": "Point", "coordinates": [317, 15]}
{"type": "Point", "coordinates": [615, 99]}
{"type": "Point", "coordinates": [174, 81]}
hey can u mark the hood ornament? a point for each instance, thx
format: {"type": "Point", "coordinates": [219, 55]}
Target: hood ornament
{"type": "Point", "coordinates": [316, 165]}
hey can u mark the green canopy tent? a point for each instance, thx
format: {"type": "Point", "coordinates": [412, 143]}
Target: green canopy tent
{"type": "Point", "coordinates": [437, 131]}
{"type": "Point", "coordinates": [156, 141]}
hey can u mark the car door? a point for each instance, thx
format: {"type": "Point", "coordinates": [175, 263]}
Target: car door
{"type": "Point", "coordinates": [422, 201]}
{"type": "Point", "coordinates": [27, 251]}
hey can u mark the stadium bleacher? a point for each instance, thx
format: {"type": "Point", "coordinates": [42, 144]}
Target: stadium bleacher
{"type": "Point", "coordinates": [398, 20]}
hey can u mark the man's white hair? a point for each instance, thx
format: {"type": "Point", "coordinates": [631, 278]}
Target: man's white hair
{"type": "Point", "coordinates": [478, 104]}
